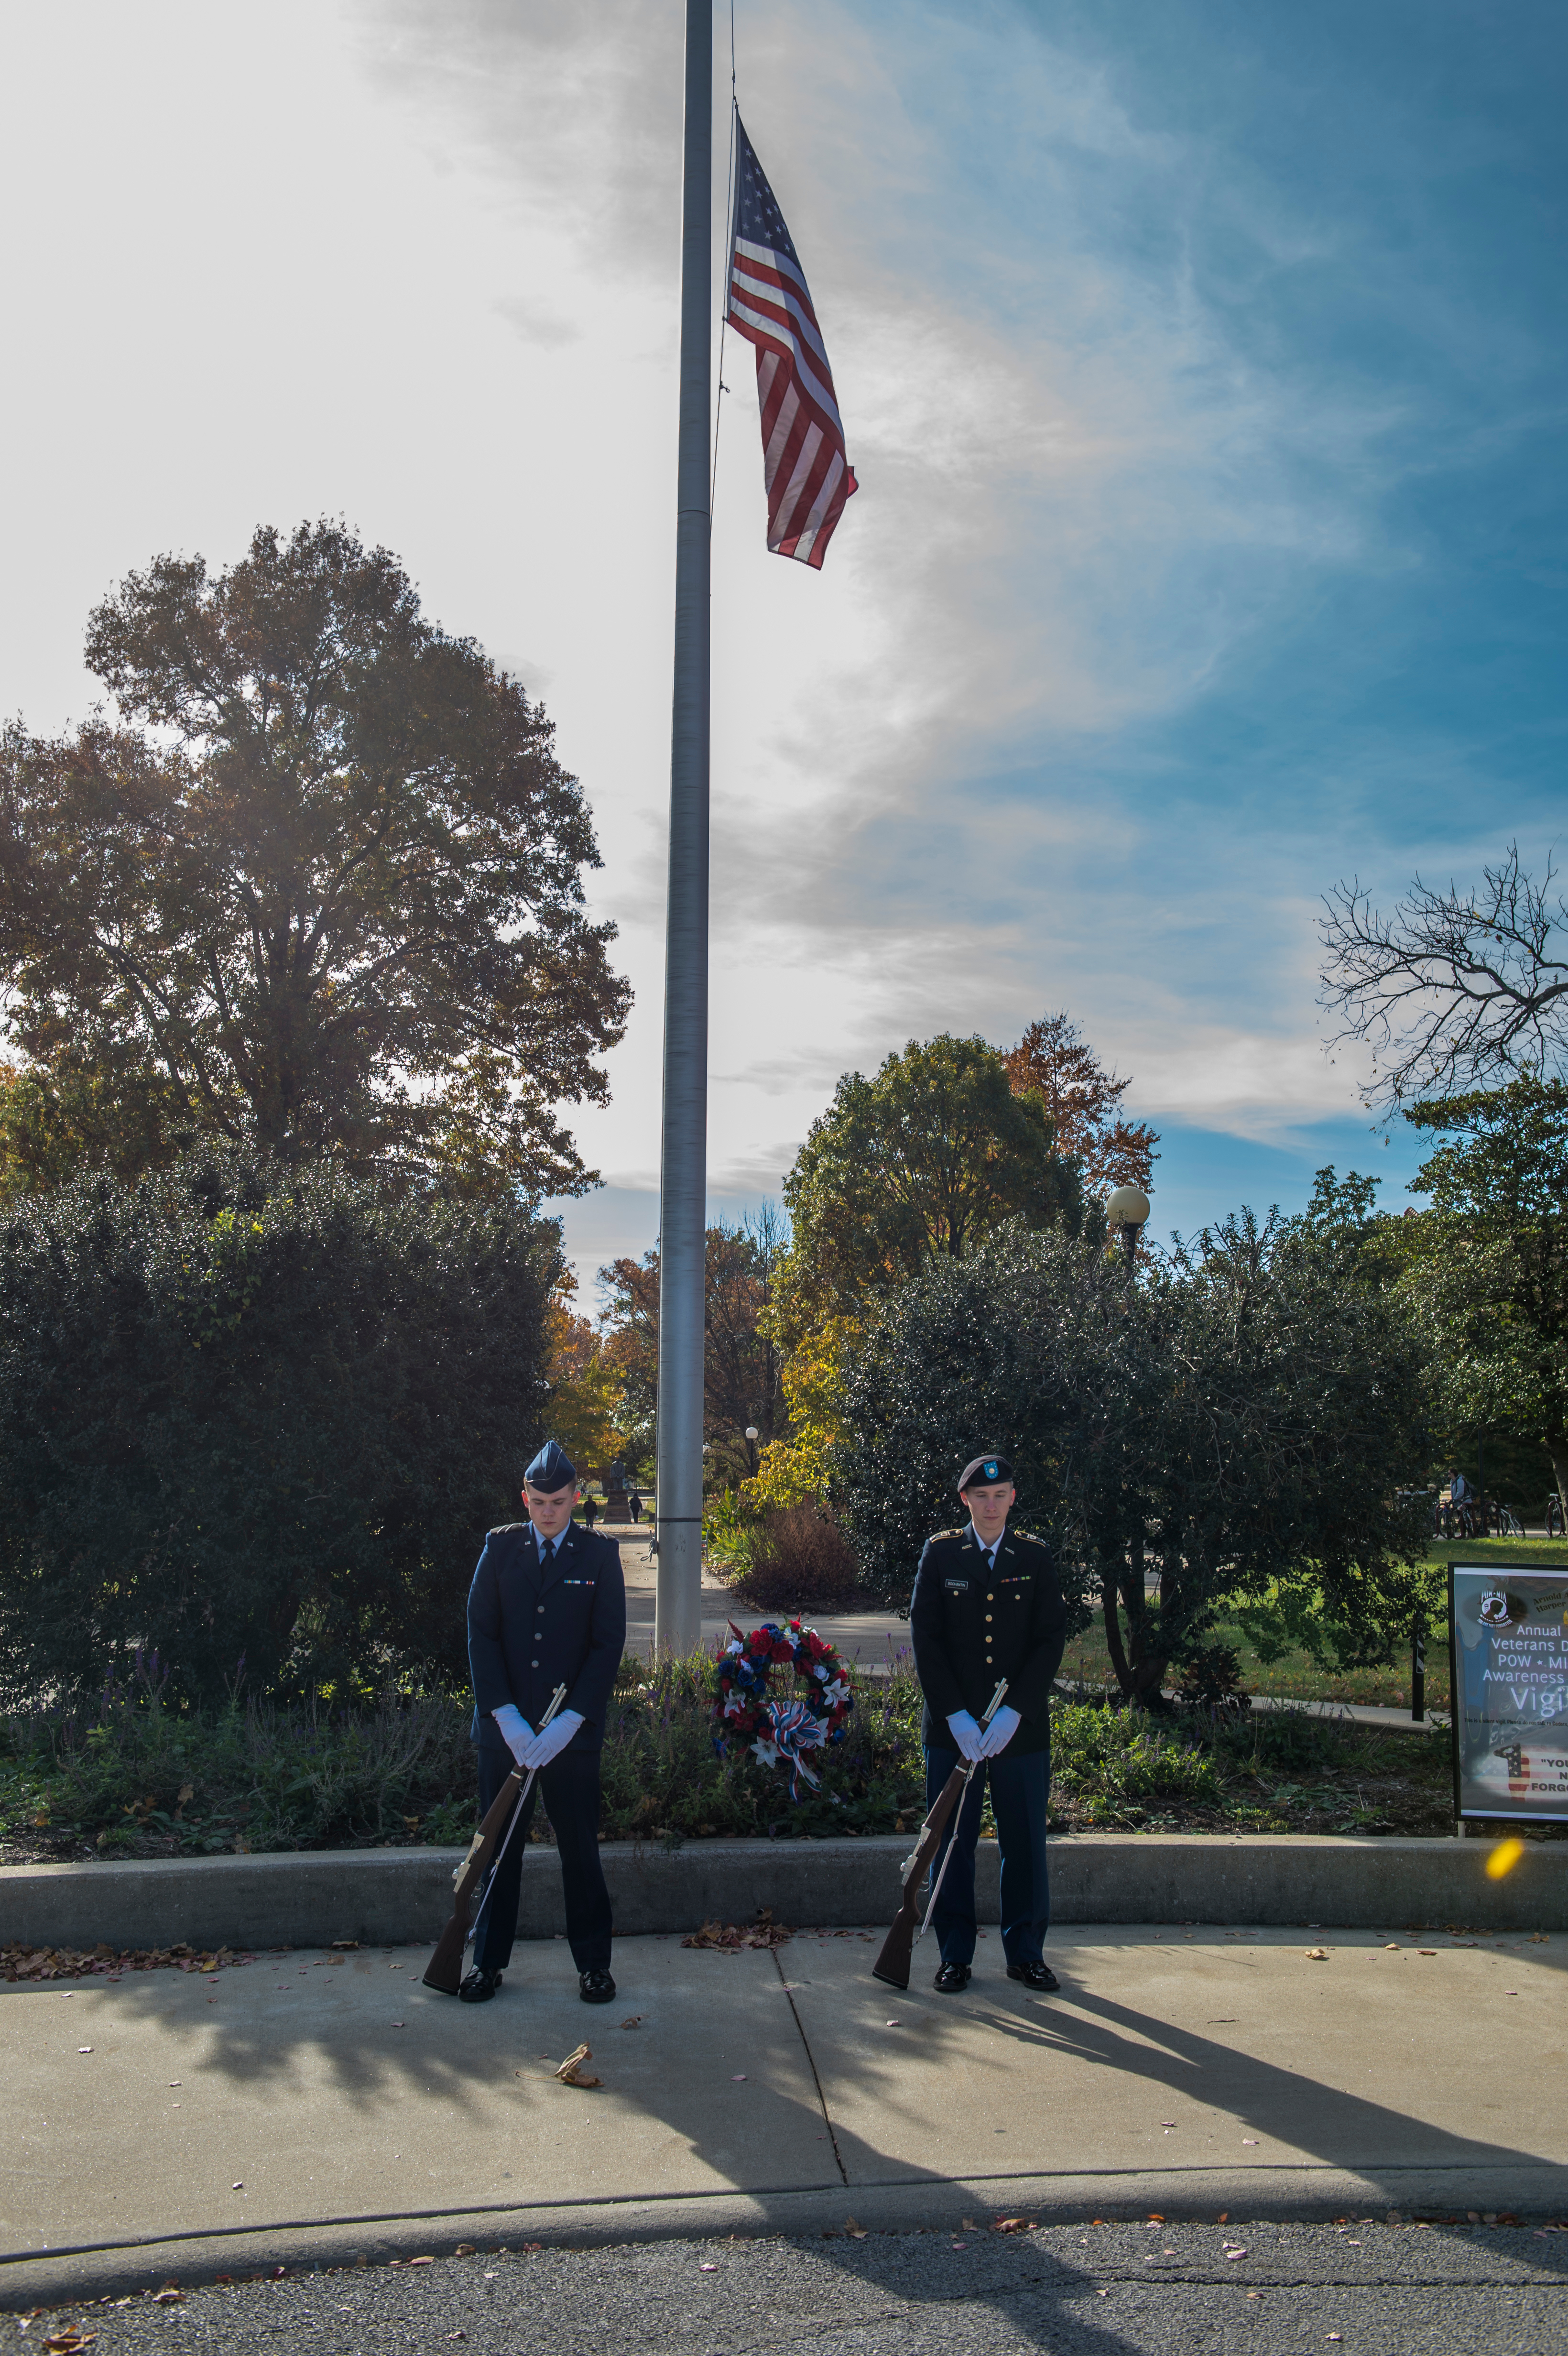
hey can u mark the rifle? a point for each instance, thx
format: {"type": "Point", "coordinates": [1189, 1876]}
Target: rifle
{"type": "Point", "coordinates": [489, 1847]}
{"type": "Point", "coordinates": [898, 1948]}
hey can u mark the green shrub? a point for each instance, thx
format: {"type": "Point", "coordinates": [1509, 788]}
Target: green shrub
{"type": "Point", "coordinates": [249, 1412]}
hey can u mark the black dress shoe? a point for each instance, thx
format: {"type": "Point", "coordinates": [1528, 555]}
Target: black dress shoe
{"type": "Point", "coordinates": [951, 1978]}
{"type": "Point", "coordinates": [479, 1986]}
{"type": "Point", "coordinates": [595, 1988]}
{"type": "Point", "coordinates": [1035, 1976]}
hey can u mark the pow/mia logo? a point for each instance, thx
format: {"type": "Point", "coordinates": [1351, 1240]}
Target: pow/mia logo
{"type": "Point", "coordinates": [1495, 1612]}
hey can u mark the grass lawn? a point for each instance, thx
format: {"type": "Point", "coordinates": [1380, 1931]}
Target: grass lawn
{"type": "Point", "coordinates": [1298, 1678]}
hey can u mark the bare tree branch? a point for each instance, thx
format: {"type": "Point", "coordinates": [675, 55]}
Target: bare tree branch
{"type": "Point", "coordinates": [1454, 987]}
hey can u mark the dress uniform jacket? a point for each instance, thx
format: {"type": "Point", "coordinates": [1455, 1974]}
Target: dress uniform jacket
{"type": "Point", "coordinates": [974, 1622]}
{"type": "Point", "coordinates": [531, 1630]}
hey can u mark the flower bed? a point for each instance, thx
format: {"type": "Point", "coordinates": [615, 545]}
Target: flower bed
{"type": "Point", "coordinates": [143, 1781]}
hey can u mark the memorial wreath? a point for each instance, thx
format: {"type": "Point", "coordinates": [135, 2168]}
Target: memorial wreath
{"type": "Point", "coordinates": [746, 1716]}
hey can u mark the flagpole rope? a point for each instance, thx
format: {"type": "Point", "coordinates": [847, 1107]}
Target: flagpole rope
{"type": "Point", "coordinates": [729, 248]}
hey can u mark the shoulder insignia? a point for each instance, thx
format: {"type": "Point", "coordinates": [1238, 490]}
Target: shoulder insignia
{"type": "Point", "coordinates": [505, 1529]}
{"type": "Point", "coordinates": [1033, 1537]}
{"type": "Point", "coordinates": [943, 1534]}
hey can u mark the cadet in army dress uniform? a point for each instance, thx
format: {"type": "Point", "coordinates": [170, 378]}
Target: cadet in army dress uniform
{"type": "Point", "coordinates": [547, 1607]}
{"type": "Point", "coordinates": [986, 1606]}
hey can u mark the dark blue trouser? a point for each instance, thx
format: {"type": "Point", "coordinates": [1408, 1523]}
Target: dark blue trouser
{"type": "Point", "coordinates": [572, 1798]}
{"type": "Point", "coordinates": [1020, 1787]}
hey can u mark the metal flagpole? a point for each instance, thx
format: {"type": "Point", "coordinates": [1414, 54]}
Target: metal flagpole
{"type": "Point", "coordinates": [683, 1174]}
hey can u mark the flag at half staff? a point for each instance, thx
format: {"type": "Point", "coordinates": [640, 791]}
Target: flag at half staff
{"type": "Point", "coordinates": [805, 472]}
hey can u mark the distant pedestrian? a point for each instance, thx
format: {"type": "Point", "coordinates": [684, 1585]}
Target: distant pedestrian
{"type": "Point", "coordinates": [635, 1506]}
{"type": "Point", "coordinates": [589, 1507]}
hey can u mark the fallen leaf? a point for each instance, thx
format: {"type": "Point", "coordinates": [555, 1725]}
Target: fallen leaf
{"type": "Point", "coordinates": [66, 2344]}
{"type": "Point", "coordinates": [1316, 1955]}
{"type": "Point", "coordinates": [570, 2071]}
{"type": "Point", "coordinates": [763, 1932]}
{"type": "Point", "coordinates": [1236, 2253]}
{"type": "Point", "coordinates": [707, 2267]}
{"type": "Point", "coordinates": [1249, 2139]}
{"type": "Point", "coordinates": [238, 2188]}
{"type": "Point", "coordinates": [739, 2078]}
{"type": "Point", "coordinates": [421, 2262]}
{"type": "Point", "coordinates": [1013, 2225]}
{"type": "Point", "coordinates": [84, 2048]}
{"type": "Point", "coordinates": [634, 2022]}
{"type": "Point", "coordinates": [856, 2233]}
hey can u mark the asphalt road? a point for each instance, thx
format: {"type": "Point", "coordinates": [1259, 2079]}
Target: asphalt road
{"type": "Point", "coordinates": [1075, 2290]}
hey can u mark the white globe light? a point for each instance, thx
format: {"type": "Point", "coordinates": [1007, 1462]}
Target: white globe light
{"type": "Point", "coordinates": [1127, 1207]}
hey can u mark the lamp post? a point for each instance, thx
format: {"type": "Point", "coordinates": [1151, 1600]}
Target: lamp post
{"type": "Point", "coordinates": [752, 1447]}
{"type": "Point", "coordinates": [1126, 1214]}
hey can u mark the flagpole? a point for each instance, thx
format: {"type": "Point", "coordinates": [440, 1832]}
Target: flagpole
{"type": "Point", "coordinates": [683, 1174]}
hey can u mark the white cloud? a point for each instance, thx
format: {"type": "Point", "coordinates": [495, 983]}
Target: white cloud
{"type": "Point", "coordinates": [431, 282]}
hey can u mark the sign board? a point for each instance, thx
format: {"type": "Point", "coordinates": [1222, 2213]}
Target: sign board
{"type": "Point", "coordinates": [1508, 1630]}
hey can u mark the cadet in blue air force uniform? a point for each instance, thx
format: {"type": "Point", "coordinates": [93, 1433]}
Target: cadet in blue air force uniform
{"type": "Point", "coordinates": [547, 1607]}
{"type": "Point", "coordinates": [986, 1606]}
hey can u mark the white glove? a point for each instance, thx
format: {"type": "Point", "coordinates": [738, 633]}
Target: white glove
{"type": "Point", "coordinates": [553, 1738]}
{"type": "Point", "coordinates": [515, 1731]}
{"type": "Point", "coordinates": [966, 1734]}
{"type": "Point", "coordinates": [1001, 1733]}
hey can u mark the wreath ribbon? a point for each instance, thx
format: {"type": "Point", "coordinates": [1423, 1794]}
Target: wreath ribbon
{"type": "Point", "coordinates": [795, 1730]}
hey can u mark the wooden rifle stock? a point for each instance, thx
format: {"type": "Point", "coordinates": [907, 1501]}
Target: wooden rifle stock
{"type": "Point", "coordinates": [898, 1948]}
{"type": "Point", "coordinates": [445, 1970]}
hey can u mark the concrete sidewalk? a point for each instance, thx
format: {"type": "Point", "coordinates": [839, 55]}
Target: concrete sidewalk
{"type": "Point", "coordinates": [302, 2107]}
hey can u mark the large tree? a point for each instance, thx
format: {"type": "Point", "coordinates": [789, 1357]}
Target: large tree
{"type": "Point", "coordinates": [1455, 985]}
{"type": "Point", "coordinates": [317, 890]}
{"type": "Point", "coordinates": [1488, 1262]}
{"type": "Point", "coordinates": [1054, 1061]}
{"type": "Point", "coordinates": [1235, 1420]}
{"type": "Point", "coordinates": [918, 1164]}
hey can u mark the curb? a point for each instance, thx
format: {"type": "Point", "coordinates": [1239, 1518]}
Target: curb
{"type": "Point", "coordinates": [396, 1897]}
{"type": "Point", "coordinates": [1288, 2193]}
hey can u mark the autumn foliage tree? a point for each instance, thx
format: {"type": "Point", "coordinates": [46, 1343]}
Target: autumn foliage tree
{"type": "Point", "coordinates": [914, 1166]}
{"type": "Point", "coordinates": [742, 1383]}
{"type": "Point", "coordinates": [314, 888]}
{"type": "Point", "coordinates": [1055, 1063]}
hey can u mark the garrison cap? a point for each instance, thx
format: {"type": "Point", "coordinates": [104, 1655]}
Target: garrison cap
{"type": "Point", "coordinates": [552, 1467]}
{"type": "Point", "coordinates": [985, 1468]}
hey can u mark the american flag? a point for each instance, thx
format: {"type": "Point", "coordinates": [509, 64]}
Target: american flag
{"type": "Point", "coordinates": [806, 474]}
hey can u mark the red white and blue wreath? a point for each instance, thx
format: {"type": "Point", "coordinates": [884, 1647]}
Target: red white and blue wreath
{"type": "Point", "coordinates": [746, 1716]}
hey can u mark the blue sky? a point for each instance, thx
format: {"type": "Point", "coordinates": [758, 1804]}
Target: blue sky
{"type": "Point", "coordinates": [1202, 368]}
